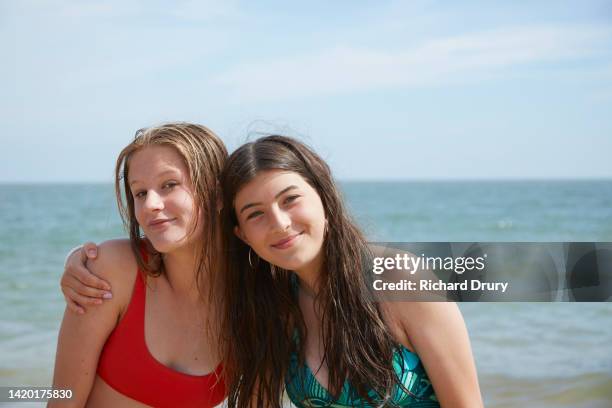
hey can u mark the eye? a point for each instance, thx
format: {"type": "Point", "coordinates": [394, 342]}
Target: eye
{"type": "Point", "coordinates": [254, 215]}
{"type": "Point", "coordinates": [170, 185]}
{"type": "Point", "coordinates": [291, 199]}
{"type": "Point", "coordinates": [140, 194]}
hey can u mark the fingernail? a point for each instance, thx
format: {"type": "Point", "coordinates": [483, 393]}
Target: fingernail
{"type": "Point", "coordinates": [98, 301]}
{"type": "Point", "coordinates": [91, 252]}
{"type": "Point", "coordinates": [107, 295]}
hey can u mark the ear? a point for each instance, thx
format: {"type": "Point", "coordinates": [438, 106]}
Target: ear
{"type": "Point", "coordinates": [238, 232]}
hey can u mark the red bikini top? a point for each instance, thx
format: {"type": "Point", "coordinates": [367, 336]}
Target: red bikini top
{"type": "Point", "coordinates": [127, 366]}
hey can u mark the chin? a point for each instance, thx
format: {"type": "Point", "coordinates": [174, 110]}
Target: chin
{"type": "Point", "coordinates": [292, 264]}
{"type": "Point", "coordinates": [159, 247]}
{"type": "Point", "coordinates": [164, 245]}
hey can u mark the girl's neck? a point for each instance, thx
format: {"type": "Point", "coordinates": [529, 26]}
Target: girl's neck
{"type": "Point", "coordinates": [310, 276]}
{"type": "Point", "coordinates": [180, 267]}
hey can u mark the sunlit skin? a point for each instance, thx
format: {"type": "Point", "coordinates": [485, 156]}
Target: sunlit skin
{"type": "Point", "coordinates": [163, 198]}
{"type": "Point", "coordinates": [281, 217]}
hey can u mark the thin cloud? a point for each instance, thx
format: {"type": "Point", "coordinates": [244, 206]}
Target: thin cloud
{"type": "Point", "coordinates": [207, 11]}
{"type": "Point", "coordinates": [192, 10]}
{"type": "Point", "coordinates": [431, 63]}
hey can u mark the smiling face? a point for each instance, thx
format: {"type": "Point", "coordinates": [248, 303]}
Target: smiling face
{"type": "Point", "coordinates": [282, 218]}
{"type": "Point", "coordinates": [163, 198]}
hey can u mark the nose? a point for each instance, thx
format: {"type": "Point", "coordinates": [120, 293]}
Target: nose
{"type": "Point", "coordinates": [153, 201]}
{"type": "Point", "coordinates": [279, 219]}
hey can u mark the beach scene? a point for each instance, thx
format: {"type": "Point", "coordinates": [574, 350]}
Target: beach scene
{"type": "Point", "coordinates": [537, 354]}
{"type": "Point", "coordinates": [443, 122]}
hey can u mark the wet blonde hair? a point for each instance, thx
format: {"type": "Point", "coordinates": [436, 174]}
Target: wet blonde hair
{"type": "Point", "coordinates": [204, 155]}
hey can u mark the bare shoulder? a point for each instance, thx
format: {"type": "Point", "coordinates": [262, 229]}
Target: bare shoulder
{"type": "Point", "coordinates": [116, 263]}
{"type": "Point", "coordinates": [419, 316]}
{"type": "Point", "coordinates": [411, 322]}
{"type": "Point", "coordinates": [114, 257]}
{"type": "Point", "coordinates": [439, 336]}
{"type": "Point", "coordinates": [82, 336]}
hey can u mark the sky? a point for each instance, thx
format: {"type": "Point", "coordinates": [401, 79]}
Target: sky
{"type": "Point", "coordinates": [383, 90]}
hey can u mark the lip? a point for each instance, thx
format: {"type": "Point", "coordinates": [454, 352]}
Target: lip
{"type": "Point", "coordinates": [160, 222]}
{"type": "Point", "coordinates": [286, 242]}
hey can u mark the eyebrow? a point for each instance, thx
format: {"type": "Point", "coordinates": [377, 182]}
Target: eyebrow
{"type": "Point", "coordinates": [283, 191]}
{"type": "Point", "coordinates": [163, 173]}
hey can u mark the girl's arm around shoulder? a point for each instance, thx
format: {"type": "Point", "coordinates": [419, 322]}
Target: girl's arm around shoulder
{"type": "Point", "coordinates": [82, 336]}
{"type": "Point", "coordinates": [438, 334]}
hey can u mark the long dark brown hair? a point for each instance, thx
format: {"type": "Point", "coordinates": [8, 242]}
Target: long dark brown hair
{"type": "Point", "coordinates": [204, 155]}
{"type": "Point", "coordinates": [261, 314]}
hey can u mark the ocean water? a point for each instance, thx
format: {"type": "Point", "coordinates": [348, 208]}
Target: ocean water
{"type": "Point", "coordinates": [527, 354]}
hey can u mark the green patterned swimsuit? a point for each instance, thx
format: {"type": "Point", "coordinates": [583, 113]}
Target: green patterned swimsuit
{"type": "Point", "coordinates": [305, 391]}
